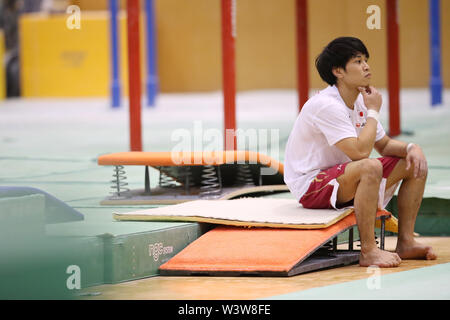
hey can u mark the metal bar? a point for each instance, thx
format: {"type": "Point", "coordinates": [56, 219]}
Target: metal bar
{"type": "Point", "coordinates": [147, 181]}
{"type": "Point", "coordinates": [228, 8]}
{"type": "Point", "coordinates": [435, 53]}
{"type": "Point", "coordinates": [393, 67]}
{"type": "Point", "coordinates": [350, 239]}
{"type": "Point", "coordinates": [134, 74]}
{"type": "Point", "coordinates": [187, 180]}
{"type": "Point", "coordinates": [383, 220]}
{"type": "Point", "coordinates": [302, 52]}
{"type": "Point", "coordinates": [152, 76]}
{"type": "Point", "coordinates": [260, 180]}
{"type": "Point", "coordinates": [115, 81]}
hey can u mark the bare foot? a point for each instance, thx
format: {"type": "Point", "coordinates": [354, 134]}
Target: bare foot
{"type": "Point", "coordinates": [380, 258]}
{"type": "Point", "coordinates": [414, 250]}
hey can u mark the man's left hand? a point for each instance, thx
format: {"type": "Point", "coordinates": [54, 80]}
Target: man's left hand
{"type": "Point", "coordinates": [415, 156]}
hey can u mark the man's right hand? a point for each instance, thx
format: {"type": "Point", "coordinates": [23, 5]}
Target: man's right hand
{"type": "Point", "coordinates": [372, 98]}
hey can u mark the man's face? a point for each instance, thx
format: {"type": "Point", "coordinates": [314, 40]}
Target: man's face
{"type": "Point", "coordinates": [356, 73]}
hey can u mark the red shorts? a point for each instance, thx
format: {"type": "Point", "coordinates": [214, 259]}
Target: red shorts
{"type": "Point", "coordinates": [322, 191]}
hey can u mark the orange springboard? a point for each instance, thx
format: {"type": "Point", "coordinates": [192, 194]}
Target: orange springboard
{"type": "Point", "coordinates": [240, 249]}
{"type": "Point", "coordinates": [188, 158]}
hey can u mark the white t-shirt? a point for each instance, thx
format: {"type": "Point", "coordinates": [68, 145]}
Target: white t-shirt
{"type": "Point", "coordinates": [323, 121]}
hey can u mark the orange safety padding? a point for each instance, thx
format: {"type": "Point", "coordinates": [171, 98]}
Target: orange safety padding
{"type": "Point", "coordinates": [155, 159]}
{"type": "Point", "coordinates": [257, 249]}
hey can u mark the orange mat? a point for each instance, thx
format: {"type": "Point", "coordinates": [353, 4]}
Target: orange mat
{"type": "Point", "coordinates": [267, 250]}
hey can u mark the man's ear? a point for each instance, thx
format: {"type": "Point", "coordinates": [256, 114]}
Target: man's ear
{"type": "Point", "coordinates": [338, 72]}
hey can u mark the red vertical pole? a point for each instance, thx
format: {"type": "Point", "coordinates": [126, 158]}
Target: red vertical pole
{"type": "Point", "coordinates": [228, 9]}
{"type": "Point", "coordinates": [302, 52]}
{"type": "Point", "coordinates": [134, 75]}
{"type": "Point", "coordinates": [393, 68]}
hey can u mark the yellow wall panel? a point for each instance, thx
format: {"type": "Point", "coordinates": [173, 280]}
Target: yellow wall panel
{"type": "Point", "coordinates": [59, 61]}
{"type": "Point", "coordinates": [265, 44]}
{"type": "Point", "coordinates": [189, 45]}
{"type": "Point", "coordinates": [329, 19]}
{"type": "Point", "coordinates": [414, 43]}
{"type": "Point", "coordinates": [97, 4]}
{"type": "Point", "coordinates": [2, 67]}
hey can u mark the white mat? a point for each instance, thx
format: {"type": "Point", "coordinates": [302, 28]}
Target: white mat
{"type": "Point", "coordinates": [266, 212]}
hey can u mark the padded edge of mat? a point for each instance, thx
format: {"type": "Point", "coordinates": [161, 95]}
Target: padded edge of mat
{"type": "Point", "coordinates": [238, 223]}
{"type": "Point", "coordinates": [164, 200]}
{"type": "Point", "coordinates": [188, 158]}
{"type": "Point", "coordinates": [248, 191]}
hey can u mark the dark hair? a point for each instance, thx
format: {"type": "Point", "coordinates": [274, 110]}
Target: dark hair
{"type": "Point", "coordinates": [336, 54]}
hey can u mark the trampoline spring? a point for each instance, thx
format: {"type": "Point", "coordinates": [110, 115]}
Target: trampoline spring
{"type": "Point", "coordinates": [211, 183]}
{"type": "Point", "coordinates": [119, 185]}
{"type": "Point", "coordinates": [165, 181]}
{"type": "Point", "coordinates": [244, 175]}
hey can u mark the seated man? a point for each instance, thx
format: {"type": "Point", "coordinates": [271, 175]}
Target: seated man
{"type": "Point", "coordinates": [327, 162]}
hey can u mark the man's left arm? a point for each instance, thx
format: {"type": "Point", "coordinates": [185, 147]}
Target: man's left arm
{"type": "Point", "coordinates": [387, 146]}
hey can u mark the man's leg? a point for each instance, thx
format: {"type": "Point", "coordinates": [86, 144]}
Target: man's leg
{"type": "Point", "coordinates": [361, 182]}
{"type": "Point", "coordinates": [410, 197]}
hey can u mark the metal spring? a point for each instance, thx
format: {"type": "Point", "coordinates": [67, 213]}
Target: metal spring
{"type": "Point", "coordinates": [211, 184]}
{"type": "Point", "coordinates": [166, 181]}
{"type": "Point", "coordinates": [244, 175]}
{"type": "Point", "coordinates": [118, 183]}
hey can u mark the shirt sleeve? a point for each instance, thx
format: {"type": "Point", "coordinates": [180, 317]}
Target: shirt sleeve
{"type": "Point", "coordinates": [335, 124]}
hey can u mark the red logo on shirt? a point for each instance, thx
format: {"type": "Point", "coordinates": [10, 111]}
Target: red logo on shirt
{"type": "Point", "coordinates": [361, 114]}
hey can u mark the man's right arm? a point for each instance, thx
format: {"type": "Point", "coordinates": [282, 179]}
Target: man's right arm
{"type": "Point", "coordinates": [361, 147]}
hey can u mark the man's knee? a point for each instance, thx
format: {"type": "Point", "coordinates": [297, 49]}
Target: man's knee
{"type": "Point", "coordinates": [371, 169]}
{"type": "Point", "coordinates": [408, 173]}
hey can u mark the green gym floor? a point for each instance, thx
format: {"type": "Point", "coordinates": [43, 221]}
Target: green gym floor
{"type": "Point", "coordinates": [53, 145]}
